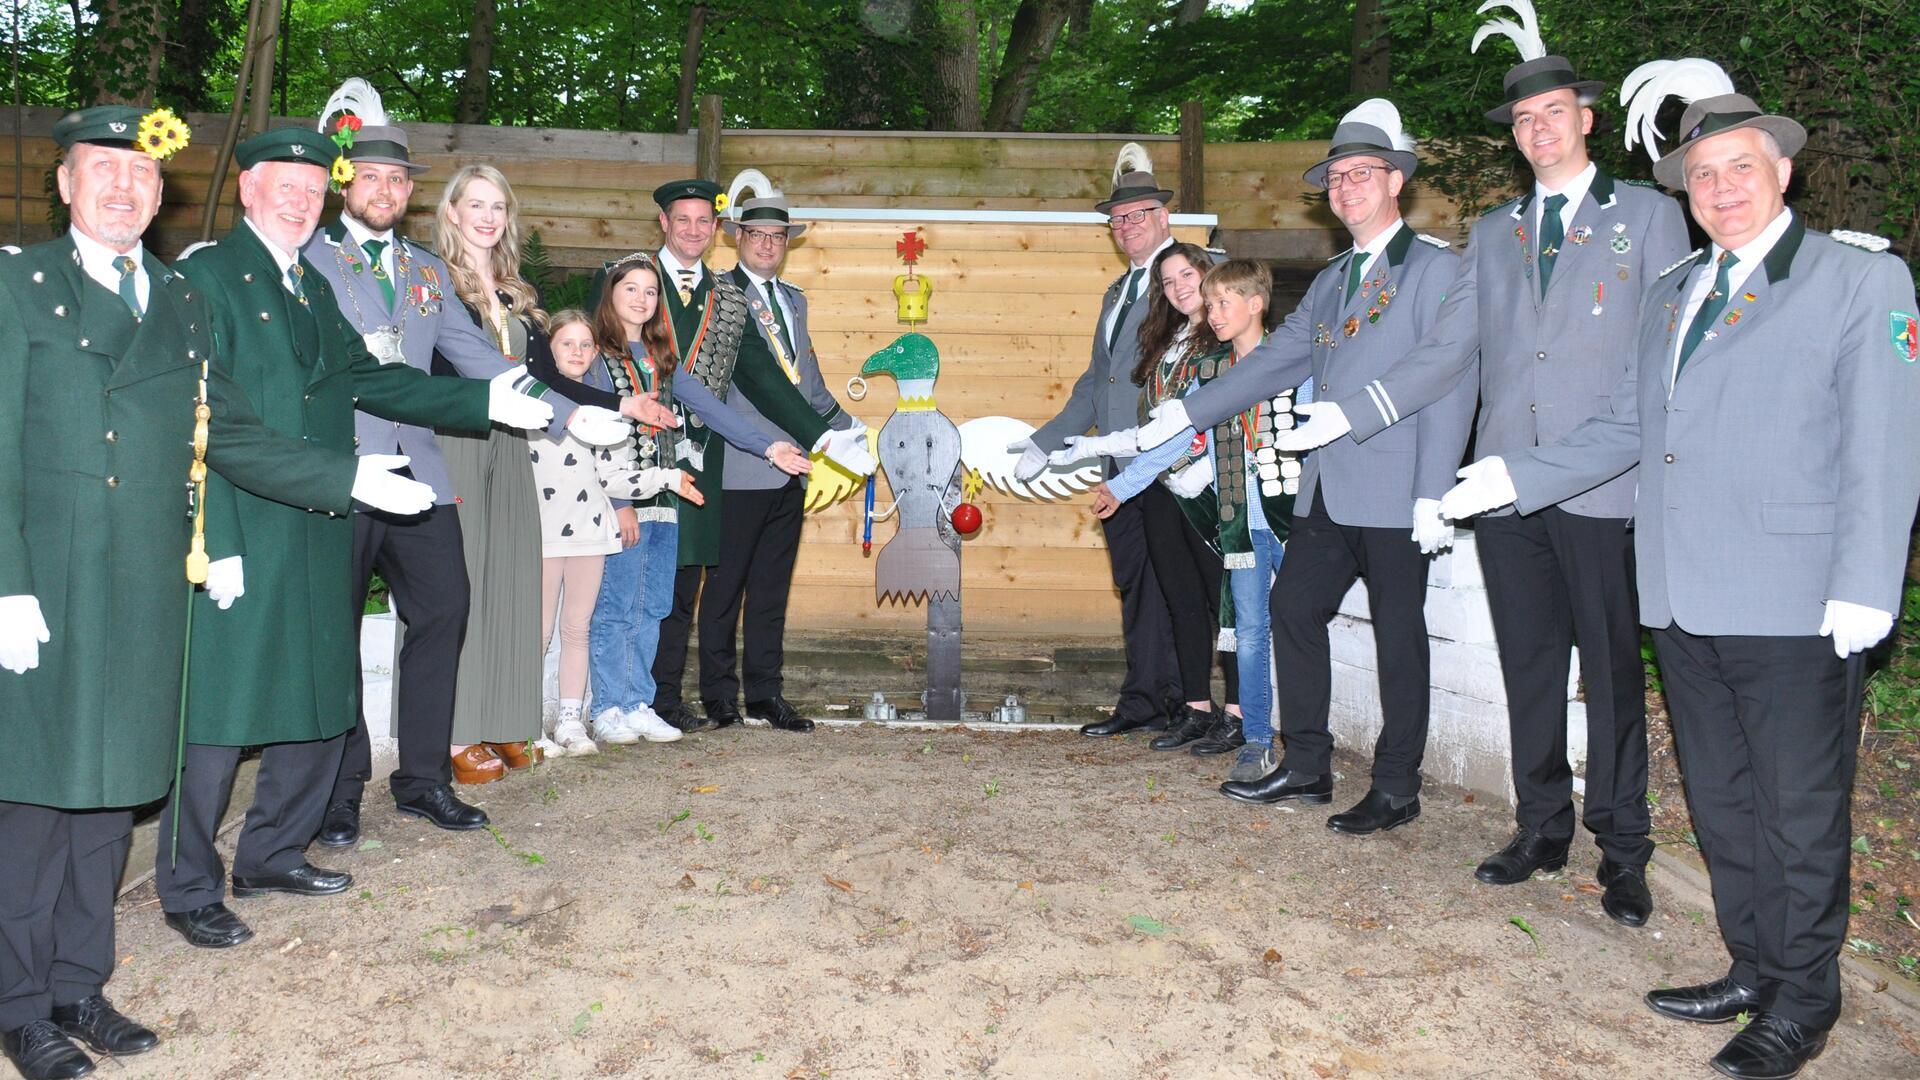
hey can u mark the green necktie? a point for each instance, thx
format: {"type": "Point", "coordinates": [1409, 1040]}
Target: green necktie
{"type": "Point", "coordinates": [293, 283]}
{"type": "Point", "coordinates": [1126, 305]}
{"type": "Point", "coordinates": [1354, 267]}
{"type": "Point", "coordinates": [373, 249]}
{"type": "Point", "coordinates": [786, 334]}
{"type": "Point", "coordinates": [127, 291]}
{"type": "Point", "coordinates": [1710, 309]}
{"type": "Point", "coordinates": [1553, 233]}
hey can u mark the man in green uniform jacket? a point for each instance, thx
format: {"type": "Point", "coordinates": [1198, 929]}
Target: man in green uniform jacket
{"type": "Point", "coordinates": [283, 669]}
{"type": "Point", "coordinates": [104, 359]}
{"type": "Point", "coordinates": [719, 354]}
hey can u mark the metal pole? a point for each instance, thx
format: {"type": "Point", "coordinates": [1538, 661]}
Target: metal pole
{"type": "Point", "coordinates": [19, 153]}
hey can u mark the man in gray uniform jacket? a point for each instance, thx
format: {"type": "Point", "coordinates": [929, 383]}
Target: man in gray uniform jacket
{"type": "Point", "coordinates": [1769, 408]}
{"type": "Point", "coordinates": [1547, 300]}
{"type": "Point", "coordinates": [765, 507]}
{"type": "Point", "coordinates": [1364, 509]}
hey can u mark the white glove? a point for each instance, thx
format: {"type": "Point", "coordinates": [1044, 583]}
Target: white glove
{"type": "Point", "coordinates": [1122, 443]}
{"type": "Point", "coordinates": [1853, 627]}
{"type": "Point", "coordinates": [1484, 485]}
{"type": "Point", "coordinates": [1324, 423]}
{"type": "Point", "coordinates": [593, 425]}
{"type": "Point", "coordinates": [1169, 419]}
{"type": "Point", "coordinates": [507, 405]}
{"type": "Point", "coordinates": [375, 484]}
{"type": "Point", "coordinates": [1033, 460]}
{"type": "Point", "coordinates": [1432, 534]}
{"type": "Point", "coordinates": [848, 449]}
{"type": "Point", "coordinates": [22, 632]}
{"type": "Point", "coordinates": [226, 581]}
{"type": "Point", "coordinates": [1189, 482]}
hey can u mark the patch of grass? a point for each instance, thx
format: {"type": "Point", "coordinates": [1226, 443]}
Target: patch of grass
{"type": "Point", "coordinates": [672, 821]}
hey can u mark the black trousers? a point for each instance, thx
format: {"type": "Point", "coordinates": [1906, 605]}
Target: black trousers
{"type": "Point", "coordinates": [421, 560]}
{"type": "Point", "coordinates": [1553, 579]}
{"type": "Point", "coordinates": [1323, 559]}
{"type": "Point", "coordinates": [62, 868]}
{"type": "Point", "coordinates": [759, 541]}
{"type": "Point", "coordinates": [1153, 678]}
{"type": "Point", "coordinates": [287, 810]}
{"type": "Point", "coordinates": [1188, 571]}
{"type": "Point", "coordinates": [670, 659]}
{"type": "Point", "coordinates": [1767, 729]}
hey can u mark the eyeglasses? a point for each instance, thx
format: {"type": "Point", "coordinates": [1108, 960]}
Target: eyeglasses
{"type": "Point", "coordinates": [765, 236]}
{"type": "Point", "coordinates": [1134, 217]}
{"type": "Point", "coordinates": [1359, 174]}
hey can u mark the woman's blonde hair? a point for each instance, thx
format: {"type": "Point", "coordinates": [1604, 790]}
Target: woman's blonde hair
{"type": "Point", "coordinates": [505, 256]}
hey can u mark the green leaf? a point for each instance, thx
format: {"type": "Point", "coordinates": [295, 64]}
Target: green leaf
{"type": "Point", "coordinates": [1860, 845]}
{"type": "Point", "coordinates": [1147, 924]}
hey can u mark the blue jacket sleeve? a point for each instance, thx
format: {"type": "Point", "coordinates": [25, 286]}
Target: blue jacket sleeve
{"type": "Point", "coordinates": [714, 413]}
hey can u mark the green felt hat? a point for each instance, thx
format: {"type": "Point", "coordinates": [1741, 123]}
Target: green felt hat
{"type": "Point", "coordinates": [668, 194]}
{"type": "Point", "coordinates": [911, 356]}
{"type": "Point", "coordinates": [155, 130]}
{"type": "Point", "coordinates": [301, 145]}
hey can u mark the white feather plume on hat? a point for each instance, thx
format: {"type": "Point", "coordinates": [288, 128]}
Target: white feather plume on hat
{"type": "Point", "coordinates": [752, 180]}
{"type": "Point", "coordinates": [1642, 92]}
{"type": "Point", "coordinates": [1132, 158]}
{"type": "Point", "coordinates": [1382, 114]}
{"type": "Point", "coordinates": [1524, 34]}
{"type": "Point", "coordinates": [358, 97]}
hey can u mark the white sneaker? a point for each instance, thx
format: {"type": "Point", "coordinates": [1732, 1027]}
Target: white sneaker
{"type": "Point", "coordinates": [612, 727]}
{"type": "Point", "coordinates": [650, 727]}
{"type": "Point", "coordinates": [571, 735]}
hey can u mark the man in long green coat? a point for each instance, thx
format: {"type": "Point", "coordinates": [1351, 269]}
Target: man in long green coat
{"type": "Point", "coordinates": [718, 355]}
{"type": "Point", "coordinates": [105, 357]}
{"type": "Point", "coordinates": [282, 670]}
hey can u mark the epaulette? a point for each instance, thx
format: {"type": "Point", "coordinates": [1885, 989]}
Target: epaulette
{"type": "Point", "coordinates": [792, 286]}
{"type": "Point", "coordinates": [1341, 255]}
{"type": "Point", "coordinates": [1639, 183]}
{"type": "Point", "coordinates": [1864, 241]}
{"type": "Point", "coordinates": [1434, 240]}
{"type": "Point", "coordinates": [1508, 205]}
{"type": "Point", "coordinates": [191, 248]}
{"type": "Point", "coordinates": [1689, 257]}
{"type": "Point", "coordinates": [9, 249]}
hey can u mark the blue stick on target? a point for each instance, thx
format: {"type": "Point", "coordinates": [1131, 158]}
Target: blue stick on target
{"type": "Point", "coordinates": [866, 529]}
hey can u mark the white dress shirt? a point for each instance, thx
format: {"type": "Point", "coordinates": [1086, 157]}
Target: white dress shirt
{"type": "Point", "coordinates": [100, 263]}
{"type": "Point", "coordinates": [671, 267]}
{"type": "Point", "coordinates": [1139, 287]}
{"type": "Point", "coordinates": [1369, 252]}
{"type": "Point", "coordinates": [360, 234]}
{"type": "Point", "coordinates": [1575, 191]}
{"type": "Point", "coordinates": [1751, 254]}
{"type": "Point", "coordinates": [281, 258]}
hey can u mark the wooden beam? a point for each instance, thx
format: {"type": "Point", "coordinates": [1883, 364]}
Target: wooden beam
{"type": "Point", "coordinates": [707, 154]}
{"type": "Point", "coordinates": [1193, 157]}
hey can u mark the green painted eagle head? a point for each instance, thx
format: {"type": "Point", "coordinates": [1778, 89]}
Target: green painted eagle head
{"type": "Point", "coordinates": [914, 363]}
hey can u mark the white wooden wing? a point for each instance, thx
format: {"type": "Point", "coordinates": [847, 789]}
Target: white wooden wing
{"type": "Point", "coordinates": [983, 447]}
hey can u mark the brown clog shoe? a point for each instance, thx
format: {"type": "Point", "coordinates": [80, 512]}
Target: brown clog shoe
{"type": "Point", "coordinates": [477, 764]}
{"type": "Point", "coordinates": [517, 755]}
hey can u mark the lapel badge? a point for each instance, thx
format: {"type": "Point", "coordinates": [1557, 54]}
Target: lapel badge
{"type": "Point", "coordinates": [1733, 316]}
{"type": "Point", "coordinates": [1748, 297]}
{"type": "Point", "coordinates": [1373, 314]}
{"type": "Point", "coordinates": [1710, 335]}
{"type": "Point", "coordinates": [1622, 244]}
{"type": "Point", "coordinates": [1320, 335]}
{"type": "Point", "coordinates": [1581, 233]}
{"type": "Point", "coordinates": [1625, 274]}
{"type": "Point", "coordinates": [1352, 327]}
{"type": "Point", "coordinates": [1619, 227]}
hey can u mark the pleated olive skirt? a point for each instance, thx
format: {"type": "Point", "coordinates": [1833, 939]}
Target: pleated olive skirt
{"type": "Point", "coordinates": [497, 695]}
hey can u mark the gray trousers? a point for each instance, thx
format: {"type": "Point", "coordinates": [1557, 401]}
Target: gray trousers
{"type": "Point", "coordinates": [289, 804]}
{"type": "Point", "coordinates": [56, 906]}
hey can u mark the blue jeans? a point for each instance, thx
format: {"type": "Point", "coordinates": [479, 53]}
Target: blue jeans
{"type": "Point", "coordinates": [1253, 635]}
{"type": "Point", "coordinates": [636, 592]}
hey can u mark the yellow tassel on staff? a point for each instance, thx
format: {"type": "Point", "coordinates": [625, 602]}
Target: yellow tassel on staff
{"type": "Point", "coordinates": [197, 479]}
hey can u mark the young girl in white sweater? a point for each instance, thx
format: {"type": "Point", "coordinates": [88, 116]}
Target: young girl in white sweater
{"type": "Point", "coordinates": [579, 529]}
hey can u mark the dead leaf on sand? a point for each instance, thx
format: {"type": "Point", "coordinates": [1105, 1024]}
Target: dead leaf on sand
{"type": "Point", "coordinates": [1025, 885]}
{"type": "Point", "coordinates": [1590, 888]}
{"type": "Point", "coordinates": [1321, 1070]}
{"type": "Point", "coordinates": [843, 886]}
{"type": "Point", "coordinates": [686, 881]}
{"type": "Point", "coordinates": [1272, 959]}
{"type": "Point", "coordinates": [706, 789]}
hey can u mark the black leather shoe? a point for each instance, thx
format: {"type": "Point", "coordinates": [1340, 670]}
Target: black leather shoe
{"type": "Point", "coordinates": [1224, 737]}
{"type": "Point", "coordinates": [97, 1023]}
{"type": "Point", "coordinates": [1193, 727]}
{"type": "Point", "coordinates": [1627, 900]}
{"type": "Point", "coordinates": [779, 713]}
{"type": "Point", "coordinates": [684, 718]}
{"type": "Point", "coordinates": [303, 880]}
{"type": "Point", "coordinates": [1375, 813]}
{"type": "Point", "coordinates": [722, 712]}
{"type": "Point", "coordinates": [341, 827]}
{"type": "Point", "coordinates": [41, 1052]}
{"type": "Point", "coordinates": [1281, 786]}
{"type": "Point", "coordinates": [1770, 1047]}
{"type": "Point", "coordinates": [214, 926]}
{"type": "Point", "coordinates": [440, 807]}
{"type": "Point", "coordinates": [1708, 1003]}
{"type": "Point", "coordinates": [1116, 725]}
{"type": "Point", "coordinates": [1526, 852]}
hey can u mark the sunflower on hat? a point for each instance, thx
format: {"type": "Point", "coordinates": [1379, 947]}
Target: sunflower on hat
{"type": "Point", "coordinates": [162, 134]}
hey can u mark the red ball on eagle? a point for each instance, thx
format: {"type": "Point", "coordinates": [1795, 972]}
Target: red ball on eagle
{"type": "Point", "coordinates": [966, 519]}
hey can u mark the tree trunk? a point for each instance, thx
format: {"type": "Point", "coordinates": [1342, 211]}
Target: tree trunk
{"type": "Point", "coordinates": [954, 104]}
{"type": "Point", "coordinates": [1372, 59]}
{"type": "Point", "coordinates": [1189, 11]}
{"type": "Point", "coordinates": [476, 86]}
{"type": "Point", "coordinates": [1036, 29]}
{"type": "Point", "coordinates": [128, 40]}
{"type": "Point", "coordinates": [260, 97]}
{"type": "Point", "coordinates": [689, 68]}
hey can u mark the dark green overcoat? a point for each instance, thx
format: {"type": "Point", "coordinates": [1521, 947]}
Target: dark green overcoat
{"type": "Point", "coordinates": [96, 424]}
{"type": "Point", "coordinates": [282, 664]}
{"type": "Point", "coordinates": [757, 375]}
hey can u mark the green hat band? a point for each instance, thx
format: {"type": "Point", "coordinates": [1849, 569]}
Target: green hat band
{"type": "Point", "coordinates": [363, 149]}
{"type": "Point", "coordinates": [765, 213]}
{"type": "Point", "coordinates": [1716, 122]}
{"type": "Point", "coordinates": [1540, 82]}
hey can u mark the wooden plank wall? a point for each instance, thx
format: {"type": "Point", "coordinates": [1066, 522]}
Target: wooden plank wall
{"type": "Point", "coordinates": [1012, 312]}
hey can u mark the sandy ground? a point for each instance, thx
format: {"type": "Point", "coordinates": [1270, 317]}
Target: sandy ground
{"type": "Point", "coordinates": [885, 903]}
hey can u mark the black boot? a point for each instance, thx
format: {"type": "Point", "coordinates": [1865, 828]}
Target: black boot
{"type": "Point", "coordinates": [1224, 737]}
{"type": "Point", "coordinates": [1193, 727]}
